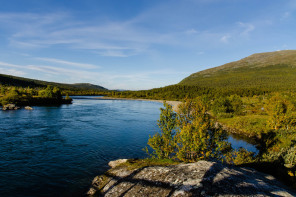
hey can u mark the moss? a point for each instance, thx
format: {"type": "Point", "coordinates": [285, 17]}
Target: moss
{"type": "Point", "coordinates": [133, 164]}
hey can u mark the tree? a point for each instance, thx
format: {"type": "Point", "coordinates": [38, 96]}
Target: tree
{"type": "Point", "coordinates": [222, 105]}
{"type": "Point", "coordinates": [198, 138]}
{"type": "Point", "coordinates": [2, 91]}
{"type": "Point", "coordinates": [280, 111]}
{"type": "Point", "coordinates": [189, 134]}
{"type": "Point", "coordinates": [13, 96]}
{"type": "Point", "coordinates": [236, 103]}
{"type": "Point", "coordinates": [163, 143]}
{"type": "Point", "coordinates": [50, 92]}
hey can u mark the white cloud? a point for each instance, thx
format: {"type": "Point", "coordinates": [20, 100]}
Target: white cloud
{"type": "Point", "coordinates": [75, 64]}
{"type": "Point", "coordinates": [10, 65]}
{"type": "Point", "coordinates": [191, 31]}
{"type": "Point", "coordinates": [247, 28]}
{"type": "Point", "coordinates": [113, 53]}
{"type": "Point", "coordinates": [225, 38]}
{"type": "Point", "coordinates": [13, 72]}
{"type": "Point", "coordinates": [132, 80]}
{"type": "Point", "coordinates": [35, 31]}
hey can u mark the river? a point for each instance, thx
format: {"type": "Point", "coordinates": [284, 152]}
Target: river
{"type": "Point", "coordinates": [58, 150]}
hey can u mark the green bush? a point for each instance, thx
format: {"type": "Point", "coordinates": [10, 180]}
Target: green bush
{"type": "Point", "coordinates": [189, 135]}
{"type": "Point", "coordinates": [241, 156]}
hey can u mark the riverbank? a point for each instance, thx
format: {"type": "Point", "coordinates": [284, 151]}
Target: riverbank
{"type": "Point", "coordinates": [174, 104]}
{"type": "Point", "coordinates": [35, 101]}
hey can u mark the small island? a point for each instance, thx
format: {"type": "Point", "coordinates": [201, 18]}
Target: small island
{"type": "Point", "coordinates": [12, 97]}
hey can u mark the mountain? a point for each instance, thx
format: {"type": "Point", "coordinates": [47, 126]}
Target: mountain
{"type": "Point", "coordinates": [88, 86]}
{"type": "Point", "coordinates": [271, 70]}
{"type": "Point", "coordinates": [25, 82]}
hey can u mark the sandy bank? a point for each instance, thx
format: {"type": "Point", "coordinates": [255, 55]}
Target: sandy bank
{"type": "Point", "coordinates": [174, 104]}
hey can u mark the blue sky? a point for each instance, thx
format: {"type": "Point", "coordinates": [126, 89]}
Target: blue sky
{"type": "Point", "coordinates": [137, 44]}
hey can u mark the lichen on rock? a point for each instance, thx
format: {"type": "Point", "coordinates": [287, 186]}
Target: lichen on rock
{"type": "Point", "coordinates": [202, 178]}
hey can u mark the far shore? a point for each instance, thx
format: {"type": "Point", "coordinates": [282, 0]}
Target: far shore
{"type": "Point", "coordinates": [175, 104]}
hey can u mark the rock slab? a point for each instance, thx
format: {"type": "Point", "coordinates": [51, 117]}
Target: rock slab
{"type": "Point", "coordinates": [202, 178]}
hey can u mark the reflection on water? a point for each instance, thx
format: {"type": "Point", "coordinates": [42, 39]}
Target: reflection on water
{"type": "Point", "coordinates": [237, 142]}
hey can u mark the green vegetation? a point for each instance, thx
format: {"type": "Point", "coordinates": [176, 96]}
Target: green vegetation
{"type": "Point", "coordinates": [179, 92]}
{"type": "Point", "coordinates": [28, 96]}
{"type": "Point", "coordinates": [258, 74]}
{"type": "Point", "coordinates": [274, 71]}
{"type": "Point", "coordinates": [189, 135]}
{"type": "Point", "coordinates": [141, 163]}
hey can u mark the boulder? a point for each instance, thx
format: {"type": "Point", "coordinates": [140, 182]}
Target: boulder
{"type": "Point", "coordinates": [10, 107]}
{"type": "Point", "coordinates": [202, 178]}
{"type": "Point", "coordinates": [115, 163]}
{"type": "Point", "coordinates": [28, 108]}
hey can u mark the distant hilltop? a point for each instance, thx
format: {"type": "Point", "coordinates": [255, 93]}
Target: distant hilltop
{"type": "Point", "coordinates": [25, 82]}
{"type": "Point", "coordinates": [271, 70]}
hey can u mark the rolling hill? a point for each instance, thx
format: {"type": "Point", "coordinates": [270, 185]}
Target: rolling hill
{"type": "Point", "coordinates": [25, 82]}
{"type": "Point", "coordinates": [271, 70]}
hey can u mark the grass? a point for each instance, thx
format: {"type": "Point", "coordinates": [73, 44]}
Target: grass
{"type": "Point", "coordinates": [132, 164]}
{"type": "Point", "coordinates": [250, 125]}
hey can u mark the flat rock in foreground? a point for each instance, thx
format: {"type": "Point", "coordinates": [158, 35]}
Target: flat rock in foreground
{"type": "Point", "coordinates": [194, 179]}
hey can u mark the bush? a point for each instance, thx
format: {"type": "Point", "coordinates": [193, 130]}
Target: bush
{"type": "Point", "coordinates": [189, 135]}
{"type": "Point", "coordinates": [281, 112]}
{"type": "Point", "coordinates": [242, 156]}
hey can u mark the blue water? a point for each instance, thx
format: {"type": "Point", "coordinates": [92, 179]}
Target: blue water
{"type": "Point", "coordinates": [57, 151]}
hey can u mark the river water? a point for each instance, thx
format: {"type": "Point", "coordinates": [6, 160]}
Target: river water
{"type": "Point", "coordinates": [57, 151]}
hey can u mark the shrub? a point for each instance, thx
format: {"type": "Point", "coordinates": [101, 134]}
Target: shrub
{"type": "Point", "coordinates": [241, 156]}
{"type": "Point", "coordinates": [189, 135]}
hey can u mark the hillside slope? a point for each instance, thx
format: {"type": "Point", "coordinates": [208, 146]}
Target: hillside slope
{"type": "Point", "coordinates": [25, 82]}
{"type": "Point", "coordinates": [272, 70]}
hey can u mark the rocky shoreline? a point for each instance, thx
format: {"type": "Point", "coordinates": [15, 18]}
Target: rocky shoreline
{"type": "Point", "coordinates": [203, 178]}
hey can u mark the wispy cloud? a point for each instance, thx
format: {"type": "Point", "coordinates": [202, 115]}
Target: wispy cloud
{"type": "Point", "coordinates": [111, 79]}
{"type": "Point", "coordinates": [111, 39]}
{"type": "Point", "coordinates": [14, 72]}
{"type": "Point", "coordinates": [286, 15]}
{"type": "Point", "coordinates": [247, 28]}
{"type": "Point", "coordinates": [191, 31]}
{"type": "Point", "coordinates": [64, 62]}
{"type": "Point", "coordinates": [225, 38]}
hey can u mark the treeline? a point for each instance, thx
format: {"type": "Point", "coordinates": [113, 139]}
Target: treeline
{"type": "Point", "coordinates": [279, 77]}
{"type": "Point", "coordinates": [8, 80]}
{"type": "Point", "coordinates": [32, 96]}
{"type": "Point", "coordinates": [85, 93]}
{"type": "Point", "coordinates": [179, 92]}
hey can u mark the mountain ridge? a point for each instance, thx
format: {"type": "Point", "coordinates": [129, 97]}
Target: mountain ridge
{"type": "Point", "coordinates": [275, 70]}
{"type": "Point", "coordinates": [25, 82]}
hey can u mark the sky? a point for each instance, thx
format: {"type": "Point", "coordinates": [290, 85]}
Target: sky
{"type": "Point", "coordinates": [137, 44]}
